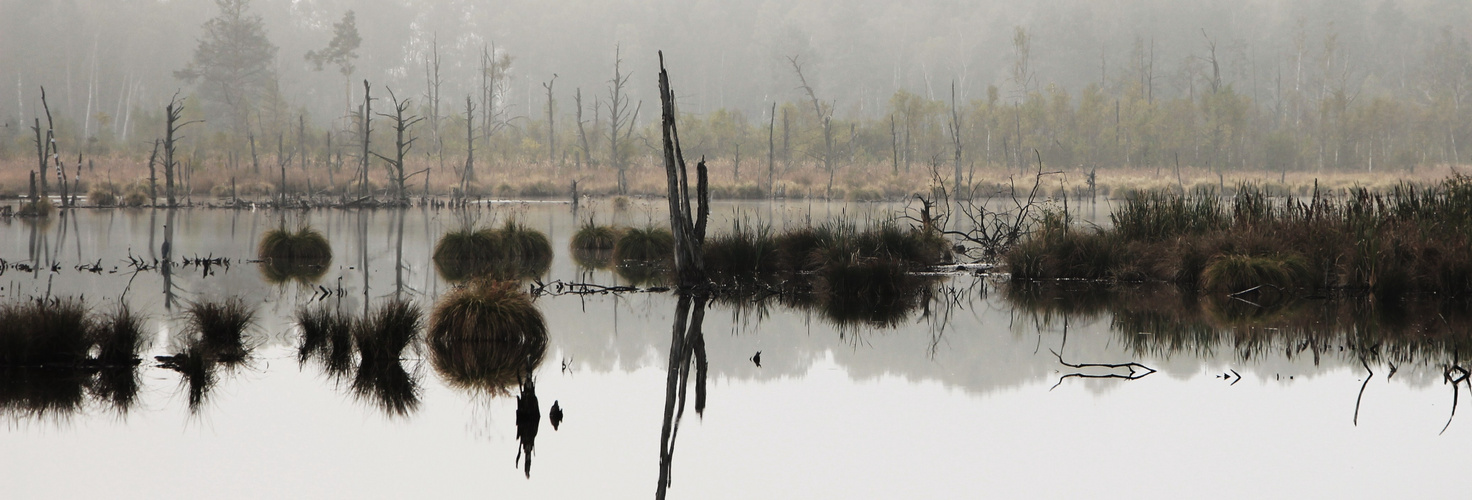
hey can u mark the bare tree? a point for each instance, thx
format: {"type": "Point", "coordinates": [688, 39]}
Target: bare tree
{"type": "Point", "coordinates": [955, 127]}
{"type": "Point", "coordinates": [172, 114]}
{"type": "Point", "coordinates": [401, 124]}
{"type": "Point", "coordinates": [825, 118]}
{"type": "Point", "coordinates": [432, 95]}
{"type": "Point", "coordinates": [620, 121]}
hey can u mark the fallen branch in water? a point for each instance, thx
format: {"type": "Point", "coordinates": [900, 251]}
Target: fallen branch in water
{"type": "Point", "coordinates": [1136, 370]}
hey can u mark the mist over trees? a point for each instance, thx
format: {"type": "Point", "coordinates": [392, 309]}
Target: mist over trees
{"type": "Point", "coordinates": [1268, 85]}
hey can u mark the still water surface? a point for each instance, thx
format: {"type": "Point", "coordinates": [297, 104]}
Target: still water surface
{"type": "Point", "coordinates": [965, 398]}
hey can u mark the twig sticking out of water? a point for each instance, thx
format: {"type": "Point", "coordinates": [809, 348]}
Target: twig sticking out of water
{"type": "Point", "coordinates": [1456, 375]}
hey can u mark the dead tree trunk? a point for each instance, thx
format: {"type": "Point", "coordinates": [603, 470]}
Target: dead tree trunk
{"type": "Point", "coordinates": [467, 175]}
{"type": "Point", "coordinates": [894, 145]}
{"type": "Point", "coordinates": [956, 140]}
{"type": "Point", "coordinates": [825, 119]}
{"type": "Point", "coordinates": [172, 113]}
{"type": "Point", "coordinates": [585, 158]}
{"type": "Point", "coordinates": [365, 129]}
{"type": "Point", "coordinates": [771, 147]}
{"type": "Point", "coordinates": [153, 173]}
{"type": "Point", "coordinates": [687, 223]}
{"type": "Point", "coordinates": [551, 126]}
{"type": "Point", "coordinates": [620, 122]}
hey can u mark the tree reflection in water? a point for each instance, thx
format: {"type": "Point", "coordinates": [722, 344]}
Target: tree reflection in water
{"type": "Point", "coordinates": [687, 347]}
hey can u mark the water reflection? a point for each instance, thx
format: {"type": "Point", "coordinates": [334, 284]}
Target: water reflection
{"type": "Point", "coordinates": [330, 337]}
{"type": "Point", "coordinates": [687, 349]}
{"type": "Point", "coordinates": [528, 419]}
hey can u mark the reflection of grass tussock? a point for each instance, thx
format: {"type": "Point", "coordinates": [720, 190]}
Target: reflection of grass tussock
{"type": "Point", "coordinates": [512, 252]}
{"type": "Point", "coordinates": [302, 255]}
{"type": "Point", "coordinates": [486, 335]}
{"type": "Point", "coordinates": [379, 338]}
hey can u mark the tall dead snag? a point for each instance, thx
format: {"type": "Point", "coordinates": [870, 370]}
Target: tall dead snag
{"type": "Point", "coordinates": [365, 131]}
{"type": "Point", "coordinates": [45, 145]}
{"type": "Point", "coordinates": [172, 114]}
{"type": "Point", "coordinates": [956, 140]}
{"type": "Point", "coordinates": [825, 118]}
{"type": "Point", "coordinates": [551, 128]}
{"type": "Point", "coordinates": [467, 175]}
{"type": "Point", "coordinates": [584, 158]}
{"type": "Point", "coordinates": [771, 147]}
{"type": "Point", "coordinates": [687, 223]}
{"type": "Point", "coordinates": [401, 124]}
{"type": "Point", "coordinates": [620, 121]}
{"type": "Point", "coordinates": [688, 226]}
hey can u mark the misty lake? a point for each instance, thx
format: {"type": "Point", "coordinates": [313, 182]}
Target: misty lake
{"type": "Point", "coordinates": [985, 389]}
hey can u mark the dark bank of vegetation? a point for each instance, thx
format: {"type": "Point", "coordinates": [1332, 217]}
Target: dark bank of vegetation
{"type": "Point", "coordinates": [379, 339]}
{"type": "Point", "coordinates": [512, 252]}
{"type": "Point", "coordinates": [302, 255]}
{"type": "Point", "coordinates": [486, 336]}
{"type": "Point", "coordinates": [54, 356]}
{"type": "Point", "coordinates": [1408, 241]}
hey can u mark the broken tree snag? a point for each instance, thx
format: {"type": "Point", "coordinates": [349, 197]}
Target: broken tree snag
{"type": "Point", "coordinates": [686, 224]}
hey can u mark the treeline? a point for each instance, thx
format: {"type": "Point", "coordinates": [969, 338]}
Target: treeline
{"type": "Point", "coordinates": [1313, 107]}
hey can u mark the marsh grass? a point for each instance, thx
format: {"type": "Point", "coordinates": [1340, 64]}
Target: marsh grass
{"type": "Point", "coordinates": [747, 253]}
{"type": "Point", "coordinates": [512, 252]}
{"type": "Point", "coordinates": [1403, 241]}
{"type": "Point", "coordinates": [486, 336]}
{"type": "Point", "coordinates": [302, 255]}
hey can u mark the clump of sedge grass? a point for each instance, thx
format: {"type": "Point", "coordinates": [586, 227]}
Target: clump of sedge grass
{"type": "Point", "coordinates": [39, 208]}
{"type": "Point", "coordinates": [512, 252]}
{"type": "Point", "coordinates": [136, 198]}
{"type": "Point", "coordinates": [485, 335]}
{"type": "Point", "coordinates": [592, 246]}
{"type": "Point", "coordinates": [103, 196]}
{"type": "Point", "coordinates": [302, 255]}
{"type": "Point", "coordinates": [381, 338]}
{"type": "Point", "coordinates": [649, 244]}
{"type": "Point", "coordinates": [219, 328]}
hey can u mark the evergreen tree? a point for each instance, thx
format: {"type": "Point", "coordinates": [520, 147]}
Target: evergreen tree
{"type": "Point", "coordinates": [232, 65]}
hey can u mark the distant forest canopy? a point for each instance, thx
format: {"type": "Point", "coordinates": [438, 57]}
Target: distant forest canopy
{"type": "Point", "coordinates": [1346, 85]}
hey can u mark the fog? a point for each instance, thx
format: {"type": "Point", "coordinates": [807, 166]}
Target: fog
{"type": "Point", "coordinates": [1303, 67]}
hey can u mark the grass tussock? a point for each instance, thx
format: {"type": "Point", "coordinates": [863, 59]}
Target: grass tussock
{"type": "Point", "coordinates": [219, 328]}
{"type": "Point", "coordinates": [302, 255]}
{"type": "Point", "coordinates": [39, 208]}
{"type": "Point", "coordinates": [512, 252]}
{"type": "Point", "coordinates": [53, 355]}
{"type": "Point", "coordinates": [326, 336]}
{"type": "Point", "coordinates": [648, 244]}
{"type": "Point", "coordinates": [379, 340]}
{"type": "Point", "coordinates": [486, 336]}
{"type": "Point", "coordinates": [592, 245]}
{"type": "Point", "coordinates": [103, 195]}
